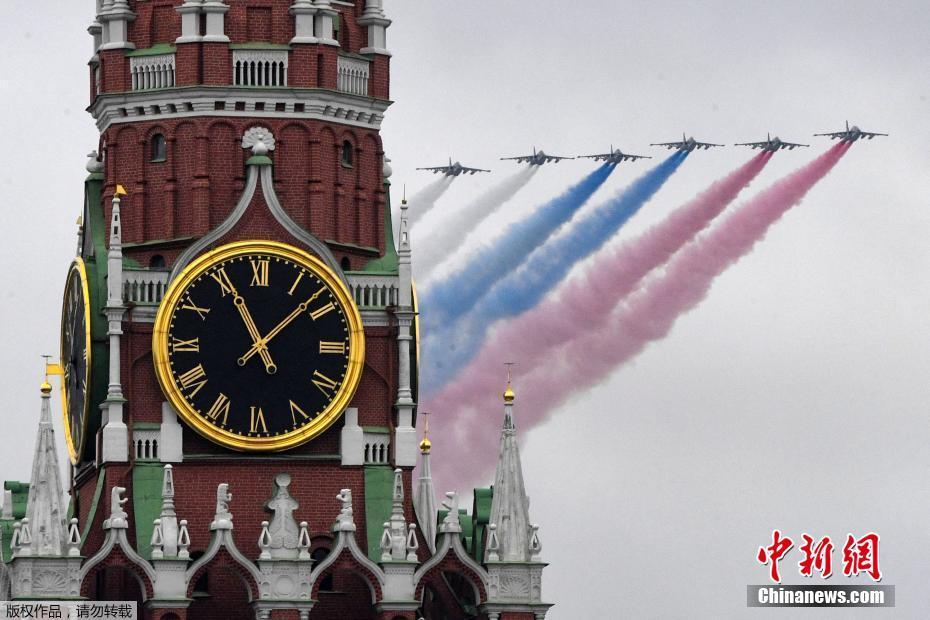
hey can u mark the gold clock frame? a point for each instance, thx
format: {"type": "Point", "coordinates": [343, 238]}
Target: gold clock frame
{"type": "Point", "coordinates": [74, 452]}
{"type": "Point", "coordinates": [337, 406]}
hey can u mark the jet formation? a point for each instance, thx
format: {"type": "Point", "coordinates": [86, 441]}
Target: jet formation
{"type": "Point", "coordinates": [771, 144]}
{"type": "Point", "coordinates": [686, 144]}
{"type": "Point", "coordinates": [614, 156]}
{"type": "Point", "coordinates": [851, 134]}
{"type": "Point", "coordinates": [536, 159]}
{"type": "Point", "coordinates": [453, 170]}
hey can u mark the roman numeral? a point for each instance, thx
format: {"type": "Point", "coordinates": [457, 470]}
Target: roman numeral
{"type": "Point", "coordinates": [296, 282]}
{"type": "Point", "coordinates": [220, 407]}
{"type": "Point", "coordinates": [260, 272]}
{"type": "Point", "coordinates": [194, 378]}
{"type": "Point", "coordinates": [333, 347]}
{"type": "Point", "coordinates": [185, 346]}
{"type": "Point", "coordinates": [226, 285]}
{"type": "Point", "coordinates": [326, 385]}
{"type": "Point", "coordinates": [295, 410]}
{"type": "Point", "coordinates": [257, 420]}
{"type": "Point", "coordinates": [189, 305]}
{"type": "Point", "coordinates": [322, 310]}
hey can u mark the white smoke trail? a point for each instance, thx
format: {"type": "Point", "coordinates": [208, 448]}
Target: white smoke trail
{"type": "Point", "coordinates": [423, 201]}
{"type": "Point", "coordinates": [432, 249]}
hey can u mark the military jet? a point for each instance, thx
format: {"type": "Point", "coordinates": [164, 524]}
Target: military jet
{"type": "Point", "coordinates": [614, 156]}
{"type": "Point", "coordinates": [536, 159]}
{"type": "Point", "coordinates": [454, 170]}
{"type": "Point", "coordinates": [771, 144]}
{"type": "Point", "coordinates": [686, 144]}
{"type": "Point", "coordinates": [851, 134]}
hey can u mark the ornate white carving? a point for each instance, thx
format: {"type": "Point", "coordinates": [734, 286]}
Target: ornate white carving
{"type": "Point", "coordinates": [259, 67]}
{"type": "Point", "coordinates": [118, 517]}
{"type": "Point", "coordinates": [152, 71]}
{"type": "Point", "coordinates": [184, 541]}
{"type": "Point", "coordinates": [412, 543]}
{"type": "Point", "coordinates": [222, 519]}
{"type": "Point", "coordinates": [259, 139]}
{"type": "Point", "coordinates": [143, 286]}
{"type": "Point", "coordinates": [451, 522]}
{"type": "Point", "coordinates": [374, 291]}
{"type": "Point", "coordinates": [283, 531]}
{"type": "Point", "coordinates": [345, 522]}
{"type": "Point", "coordinates": [352, 75]}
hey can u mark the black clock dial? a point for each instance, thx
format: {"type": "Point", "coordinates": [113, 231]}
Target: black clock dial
{"type": "Point", "coordinates": [259, 346]}
{"type": "Point", "coordinates": [75, 357]}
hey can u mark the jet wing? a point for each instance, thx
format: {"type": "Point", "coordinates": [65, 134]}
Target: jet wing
{"type": "Point", "coordinates": [670, 145]}
{"type": "Point", "coordinates": [437, 169]}
{"type": "Point", "coordinates": [468, 170]}
{"type": "Point", "coordinates": [754, 145]}
{"type": "Point", "coordinates": [705, 145]}
{"type": "Point", "coordinates": [792, 145]}
{"type": "Point", "coordinates": [519, 160]}
{"type": "Point", "coordinates": [833, 135]}
{"type": "Point", "coordinates": [872, 134]}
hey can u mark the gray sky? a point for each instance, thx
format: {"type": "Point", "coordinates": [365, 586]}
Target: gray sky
{"type": "Point", "coordinates": [794, 397]}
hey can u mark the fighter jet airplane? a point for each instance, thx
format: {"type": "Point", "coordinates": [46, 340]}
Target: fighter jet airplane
{"type": "Point", "coordinates": [614, 156]}
{"type": "Point", "coordinates": [771, 144]}
{"type": "Point", "coordinates": [536, 159]}
{"type": "Point", "coordinates": [454, 170]}
{"type": "Point", "coordinates": [851, 134]}
{"type": "Point", "coordinates": [686, 144]}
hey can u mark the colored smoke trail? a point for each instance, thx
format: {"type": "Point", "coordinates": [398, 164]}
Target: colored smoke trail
{"type": "Point", "coordinates": [430, 250]}
{"type": "Point", "coordinates": [611, 276]}
{"type": "Point", "coordinates": [544, 269]}
{"type": "Point", "coordinates": [423, 201]}
{"type": "Point", "coordinates": [455, 295]}
{"type": "Point", "coordinates": [646, 316]}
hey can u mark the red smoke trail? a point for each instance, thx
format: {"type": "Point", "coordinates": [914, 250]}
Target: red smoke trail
{"type": "Point", "coordinates": [611, 276]}
{"type": "Point", "coordinates": [645, 316]}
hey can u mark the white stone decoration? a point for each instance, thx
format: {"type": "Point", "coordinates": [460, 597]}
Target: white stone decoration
{"type": "Point", "coordinates": [352, 75]}
{"type": "Point", "coordinates": [184, 541]}
{"type": "Point", "coordinates": [222, 519]}
{"type": "Point", "coordinates": [259, 139]}
{"type": "Point", "coordinates": [304, 13]}
{"type": "Point", "coordinates": [115, 442]}
{"type": "Point", "coordinates": [283, 531]}
{"type": "Point", "coordinates": [118, 517]}
{"type": "Point", "coordinates": [303, 542]}
{"type": "Point", "coordinates": [424, 503]}
{"type": "Point", "coordinates": [413, 545]}
{"type": "Point", "coordinates": [259, 67]}
{"type": "Point", "coordinates": [94, 163]}
{"type": "Point", "coordinates": [405, 435]}
{"type": "Point", "coordinates": [345, 522]}
{"type": "Point", "coordinates": [451, 524]}
{"type": "Point", "coordinates": [352, 439]}
{"type": "Point", "coordinates": [374, 20]}
{"type": "Point", "coordinates": [157, 542]}
{"type": "Point", "coordinates": [215, 11]}
{"type": "Point", "coordinates": [152, 71]}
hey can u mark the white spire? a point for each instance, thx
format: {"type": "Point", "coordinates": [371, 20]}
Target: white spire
{"type": "Point", "coordinates": [424, 503]}
{"type": "Point", "coordinates": [510, 505]}
{"type": "Point", "coordinates": [44, 508]}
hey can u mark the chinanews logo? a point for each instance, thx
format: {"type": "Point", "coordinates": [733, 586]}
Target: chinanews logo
{"type": "Point", "coordinates": [859, 557]}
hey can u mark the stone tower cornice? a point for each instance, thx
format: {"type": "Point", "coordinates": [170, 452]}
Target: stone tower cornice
{"type": "Point", "coordinates": [202, 101]}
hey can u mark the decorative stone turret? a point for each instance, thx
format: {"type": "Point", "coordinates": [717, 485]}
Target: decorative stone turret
{"type": "Point", "coordinates": [405, 435]}
{"type": "Point", "coordinates": [512, 545]}
{"type": "Point", "coordinates": [424, 503]}
{"type": "Point", "coordinates": [374, 19]}
{"type": "Point", "coordinates": [114, 17]}
{"type": "Point", "coordinates": [304, 13]}
{"type": "Point", "coordinates": [115, 433]}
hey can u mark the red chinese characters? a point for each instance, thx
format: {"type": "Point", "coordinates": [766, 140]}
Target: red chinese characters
{"type": "Point", "coordinates": [861, 556]}
{"type": "Point", "coordinates": [817, 557]}
{"type": "Point", "coordinates": [773, 553]}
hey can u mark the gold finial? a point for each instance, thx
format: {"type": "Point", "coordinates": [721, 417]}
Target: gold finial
{"type": "Point", "coordinates": [509, 395]}
{"type": "Point", "coordinates": [426, 444]}
{"type": "Point", "coordinates": [46, 387]}
{"type": "Point", "coordinates": [120, 191]}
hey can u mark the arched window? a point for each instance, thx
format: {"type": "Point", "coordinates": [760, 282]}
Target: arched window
{"type": "Point", "coordinates": [345, 263]}
{"type": "Point", "coordinates": [157, 262]}
{"type": "Point", "coordinates": [348, 154]}
{"type": "Point", "coordinates": [158, 147]}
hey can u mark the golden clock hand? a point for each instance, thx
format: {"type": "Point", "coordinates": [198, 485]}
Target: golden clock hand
{"type": "Point", "coordinates": [239, 302]}
{"type": "Point", "coordinates": [263, 342]}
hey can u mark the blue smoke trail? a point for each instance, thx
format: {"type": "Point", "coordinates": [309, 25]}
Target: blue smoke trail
{"type": "Point", "coordinates": [543, 269]}
{"type": "Point", "coordinates": [459, 292]}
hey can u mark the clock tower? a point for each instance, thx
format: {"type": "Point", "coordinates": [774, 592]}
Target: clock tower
{"type": "Point", "coordinates": [239, 372]}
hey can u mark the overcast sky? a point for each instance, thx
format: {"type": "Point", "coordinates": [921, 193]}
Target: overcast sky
{"type": "Point", "coordinates": [794, 397]}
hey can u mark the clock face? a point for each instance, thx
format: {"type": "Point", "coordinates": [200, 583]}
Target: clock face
{"type": "Point", "coordinates": [259, 346]}
{"type": "Point", "coordinates": [75, 357]}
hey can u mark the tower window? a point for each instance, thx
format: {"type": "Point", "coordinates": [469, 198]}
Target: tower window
{"type": "Point", "coordinates": [345, 263]}
{"type": "Point", "coordinates": [158, 147]}
{"type": "Point", "coordinates": [348, 154]}
{"type": "Point", "coordinates": [157, 262]}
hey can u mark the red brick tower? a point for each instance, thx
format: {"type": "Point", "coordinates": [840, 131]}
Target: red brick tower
{"type": "Point", "coordinates": [239, 342]}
